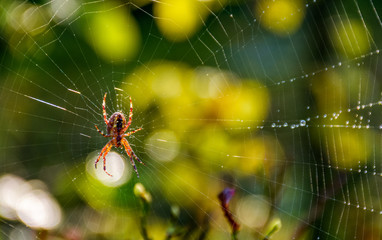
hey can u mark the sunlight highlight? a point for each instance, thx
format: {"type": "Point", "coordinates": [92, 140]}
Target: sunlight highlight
{"type": "Point", "coordinates": [37, 209]}
{"type": "Point", "coordinates": [162, 145]}
{"type": "Point", "coordinates": [115, 165]}
{"type": "Point", "coordinates": [12, 188]}
{"type": "Point", "coordinates": [63, 11]}
{"type": "Point", "coordinates": [29, 202]}
{"type": "Point", "coordinates": [253, 211]}
{"type": "Point", "coordinates": [27, 18]}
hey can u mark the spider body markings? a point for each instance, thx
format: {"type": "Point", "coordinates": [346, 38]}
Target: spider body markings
{"type": "Point", "coordinates": [116, 127]}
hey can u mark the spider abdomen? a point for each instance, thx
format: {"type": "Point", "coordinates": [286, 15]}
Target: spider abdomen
{"type": "Point", "coordinates": [117, 123]}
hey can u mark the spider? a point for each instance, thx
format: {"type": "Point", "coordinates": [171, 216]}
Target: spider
{"type": "Point", "coordinates": [116, 128]}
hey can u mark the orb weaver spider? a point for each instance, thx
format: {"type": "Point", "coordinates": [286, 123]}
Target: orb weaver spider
{"type": "Point", "coordinates": [116, 128]}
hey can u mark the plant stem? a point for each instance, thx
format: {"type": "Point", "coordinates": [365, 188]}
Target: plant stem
{"type": "Point", "coordinates": [234, 235]}
{"type": "Point", "coordinates": [144, 233]}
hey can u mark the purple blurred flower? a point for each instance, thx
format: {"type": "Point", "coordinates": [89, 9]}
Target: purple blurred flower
{"type": "Point", "coordinates": [226, 195]}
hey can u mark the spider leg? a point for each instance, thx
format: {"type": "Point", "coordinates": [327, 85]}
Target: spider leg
{"type": "Point", "coordinates": [104, 110]}
{"type": "Point", "coordinates": [135, 167]}
{"type": "Point", "coordinates": [127, 146]}
{"type": "Point", "coordinates": [104, 160]}
{"type": "Point", "coordinates": [105, 150]}
{"type": "Point", "coordinates": [131, 154]}
{"type": "Point", "coordinates": [134, 131]}
{"type": "Point", "coordinates": [130, 116]}
{"type": "Point", "coordinates": [102, 151]}
{"type": "Point", "coordinates": [102, 132]}
{"type": "Point", "coordinates": [135, 156]}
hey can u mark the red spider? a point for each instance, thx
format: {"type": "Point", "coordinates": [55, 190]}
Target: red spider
{"type": "Point", "coordinates": [116, 128]}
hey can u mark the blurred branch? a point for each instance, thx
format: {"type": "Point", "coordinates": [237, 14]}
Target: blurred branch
{"type": "Point", "coordinates": [225, 196]}
{"type": "Point", "coordinates": [175, 230]}
{"type": "Point", "coordinates": [145, 197]}
{"type": "Point", "coordinates": [274, 195]}
{"type": "Point", "coordinates": [205, 227]}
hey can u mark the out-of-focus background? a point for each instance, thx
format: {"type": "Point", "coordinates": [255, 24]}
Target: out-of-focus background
{"type": "Point", "coordinates": [279, 100]}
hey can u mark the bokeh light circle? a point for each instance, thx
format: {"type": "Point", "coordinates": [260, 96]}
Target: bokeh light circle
{"type": "Point", "coordinates": [162, 145]}
{"type": "Point", "coordinates": [115, 165]}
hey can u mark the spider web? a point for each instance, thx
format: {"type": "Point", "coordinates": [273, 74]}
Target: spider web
{"type": "Point", "coordinates": [285, 111]}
